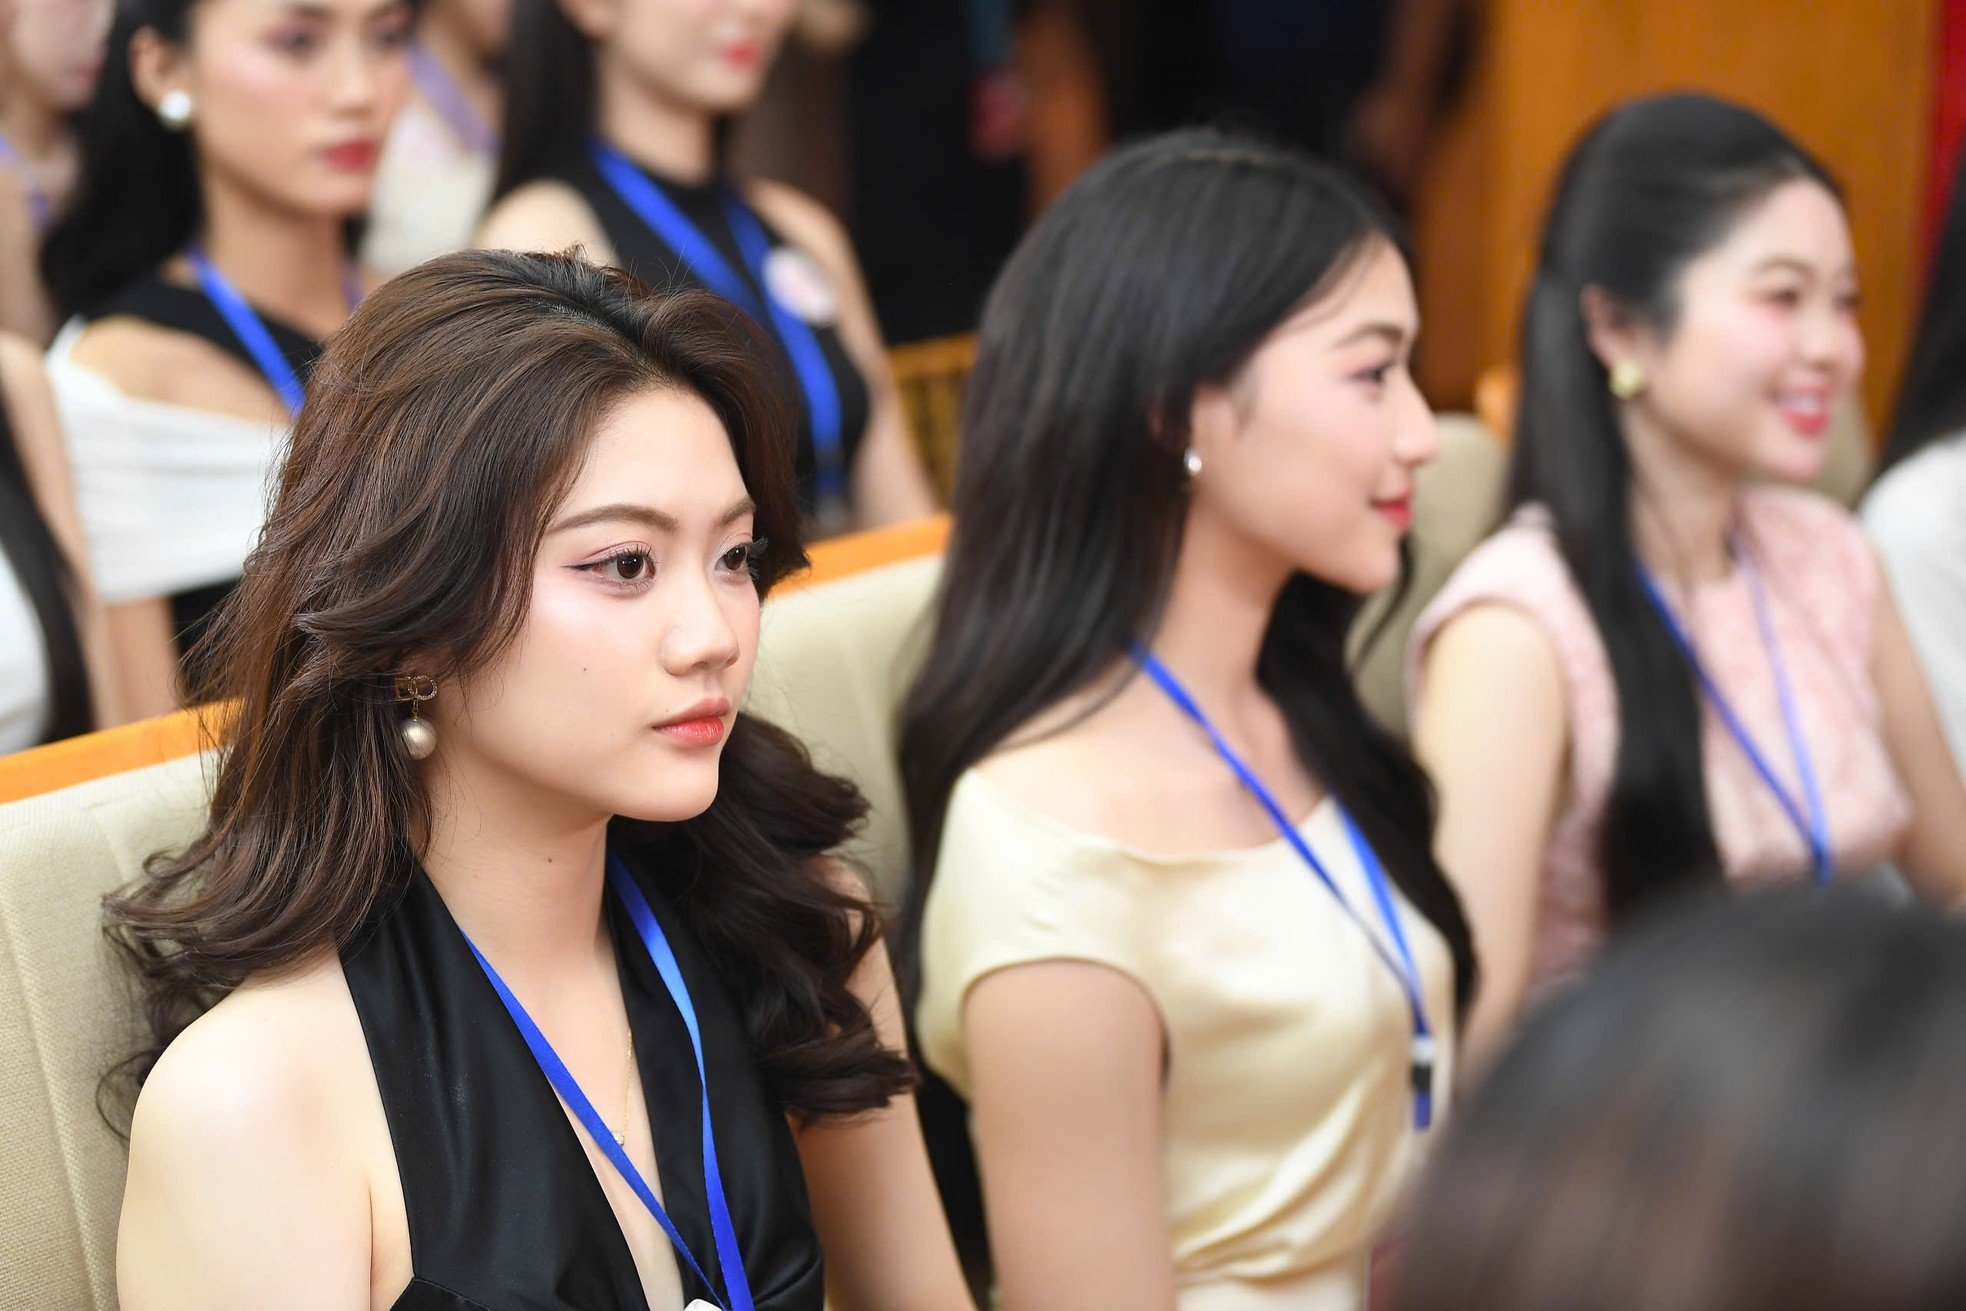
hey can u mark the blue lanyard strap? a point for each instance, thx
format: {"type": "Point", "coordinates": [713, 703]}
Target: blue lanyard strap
{"type": "Point", "coordinates": [1814, 828]}
{"type": "Point", "coordinates": [251, 330]}
{"type": "Point", "coordinates": [1424, 1050]}
{"type": "Point", "coordinates": [442, 93]}
{"type": "Point", "coordinates": [40, 209]}
{"type": "Point", "coordinates": [738, 1284]}
{"type": "Point", "coordinates": [666, 220]}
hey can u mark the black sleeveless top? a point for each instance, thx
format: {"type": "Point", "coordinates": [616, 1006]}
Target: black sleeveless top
{"type": "Point", "coordinates": [186, 309]}
{"type": "Point", "coordinates": [649, 258]}
{"type": "Point", "coordinates": [505, 1212]}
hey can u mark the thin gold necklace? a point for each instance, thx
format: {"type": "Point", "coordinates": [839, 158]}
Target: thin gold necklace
{"type": "Point", "coordinates": [627, 1091]}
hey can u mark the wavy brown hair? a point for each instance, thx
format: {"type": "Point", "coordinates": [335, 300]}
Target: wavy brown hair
{"type": "Point", "coordinates": [444, 423]}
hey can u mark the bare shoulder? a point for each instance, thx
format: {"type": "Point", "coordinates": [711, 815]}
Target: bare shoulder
{"type": "Point", "coordinates": [1111, 732]}
{"type": "Point", "coordinates": [253, 1156]}
{"type": "Point", "coordinates": [804, 220]}
{"type": "Point", "coordinates": [149, 362]}
{"type": "Point", "coordinates": [267, 1061]}
{"type": "Point", "coordinates": [545, 216]}
{"type": "Point", "coordinates": [1495, 652]}
{"type": "Point", "coordinates": [1497, 631]}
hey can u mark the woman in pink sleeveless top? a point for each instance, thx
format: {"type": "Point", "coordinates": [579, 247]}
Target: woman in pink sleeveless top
{"type": "Point", "coordinates": [1662, 672]}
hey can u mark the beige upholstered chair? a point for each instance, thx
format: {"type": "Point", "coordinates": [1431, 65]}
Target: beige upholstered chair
{"type": "Point", "coordinates": [1455, 500]}
{"type": "Point", "coordinates": [66, 1015]}
{"type": "Point", "coordinates": [833, 665]}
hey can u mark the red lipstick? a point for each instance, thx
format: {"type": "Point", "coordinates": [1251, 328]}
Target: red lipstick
{"type": "Point", "coordinates": [1399, 510]}
{"type": "Point", "coordinates": [702, 725]}
{"type": "Point", "coordinates": [352, 156]}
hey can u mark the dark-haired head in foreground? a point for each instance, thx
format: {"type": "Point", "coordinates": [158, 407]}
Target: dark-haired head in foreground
{"type": "Point", "coordinates": [1750, 1106]}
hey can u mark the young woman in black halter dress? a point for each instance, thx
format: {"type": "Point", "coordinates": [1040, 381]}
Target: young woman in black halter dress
{"type": "Point", "coordinates": [227, 147]}
{"type": "Point", "coordinates": [526, 977]}
{"type": "Point", "coordinates": [615, 114]}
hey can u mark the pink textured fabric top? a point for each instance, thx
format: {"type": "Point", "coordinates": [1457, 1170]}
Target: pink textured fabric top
{"type": "Point", "coordinates": [1821, 581]}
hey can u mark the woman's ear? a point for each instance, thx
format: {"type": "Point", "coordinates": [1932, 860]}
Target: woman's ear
{"type": "Point", "coordinates": [157, 67]}
{"type": "Point", "coordinates": [593, 19]}
{"type": "Point", "coordinates": [1214, 416]}
{"type": "Point", "coordinates": [1616, 334]}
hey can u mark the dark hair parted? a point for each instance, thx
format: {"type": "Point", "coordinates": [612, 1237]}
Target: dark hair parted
{"type": "Point", "coordinates": [1756, 1106]}
{"type": "Point", "coordinates": [1161, 270]}
{"type": "Point", "coordinates": [48, 578]}
{"type": "Point", "coordinates": [1652, 185]}
{"type": "Point", "coordinates": [1932, 398]}
{"type": "Point", "coordinates": [443, 424]}
{"type": "Point", "coordinates": [136, 202]}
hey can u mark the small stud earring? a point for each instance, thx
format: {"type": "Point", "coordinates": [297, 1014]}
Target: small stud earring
{"type": "Point", "coordinates": [419, 739]}
{"type": "Point", "coordinates": [1627, 380]}
{"type": "Point", "coordinates": [174, 110]}
{"type": "Point", "coordinates": [1191, 461]}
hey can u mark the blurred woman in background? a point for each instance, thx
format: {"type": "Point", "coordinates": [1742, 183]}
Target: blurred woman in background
{"type": "Point", "coordinates": [1915, 513]}
{"type": "Point", "coordinates": [1749, 1107]}
{"type": "Point", "coordinates": [50, 57]}
{"type": "Point", "coordinates": [436, 174]}
{"type": "Point", "coordinates": [203, 258]}
{"type": "Point", "coordinates": [54, 681]}
{"type": "Point", "coordinates": [615, 118]}
{"type": "Point", "coordinates": [1692, 675]}
{"type": "Point", "coordinates": [1181, 942]}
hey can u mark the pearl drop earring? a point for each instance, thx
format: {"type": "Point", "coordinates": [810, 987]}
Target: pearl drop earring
{"type": "Point", "coordinates": [419, 739]}
{"type": "Point", "coordinates": [1191, 461]}
{"type": "Point", "coordinates": [174, 109]}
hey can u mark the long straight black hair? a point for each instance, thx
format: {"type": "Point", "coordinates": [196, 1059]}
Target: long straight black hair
{"type": "Point", "coordinates": [1652, 185]}
{"type": "Point", "coordinates": [48, 578]}
{"type": "Point", "coordinates": [1161, 270]}
{"type": "Point", "coordinates": [1932, 398]}
{"type": "Point", "coordinates": [549, 95]}
{"type": "Point", "coordinates": [136, 202]}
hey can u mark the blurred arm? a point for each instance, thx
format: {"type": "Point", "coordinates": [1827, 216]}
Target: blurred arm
{"type": "Point", "coordinates": [1492, 731]}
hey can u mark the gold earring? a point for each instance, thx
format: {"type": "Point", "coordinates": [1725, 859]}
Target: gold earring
{"type": "Point", "coordinates": [1627, 380]}
{"type": "Point", "coordinates": [419, 739]}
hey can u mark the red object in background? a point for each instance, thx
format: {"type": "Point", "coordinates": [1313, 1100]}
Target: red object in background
{"type": "Point", "coordinates": [1948, 117]}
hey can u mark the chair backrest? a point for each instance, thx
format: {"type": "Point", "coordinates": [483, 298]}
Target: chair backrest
{"type": "Point", "coordinates": [67, 1014]}
{"type": "Point", "coordinates": [930, 376]}
{"type": "Point", "coordinates": [833, 664]}
{"type": "Point", "coordinates": [1455, 500]}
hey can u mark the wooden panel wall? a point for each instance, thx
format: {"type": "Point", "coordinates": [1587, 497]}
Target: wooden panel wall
{"type": "Point", "coordinates": [1851, 79]}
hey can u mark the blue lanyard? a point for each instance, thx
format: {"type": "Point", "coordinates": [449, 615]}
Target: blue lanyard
{"type": "Point", "coordinates": [668, 222]}
{"type": "Point", "coordinates": [251, 330]}
{"type": "Point", "coordinates": [1815, 827]}
{"type": "Point", "coordinates": [737, 1283]}
{"type": "Point", "coordinates": [443, 94]}
{"type": "Point", "coordinates": [1424, 1050]}
{"type": "Point", "coordinates": [39, 208]}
